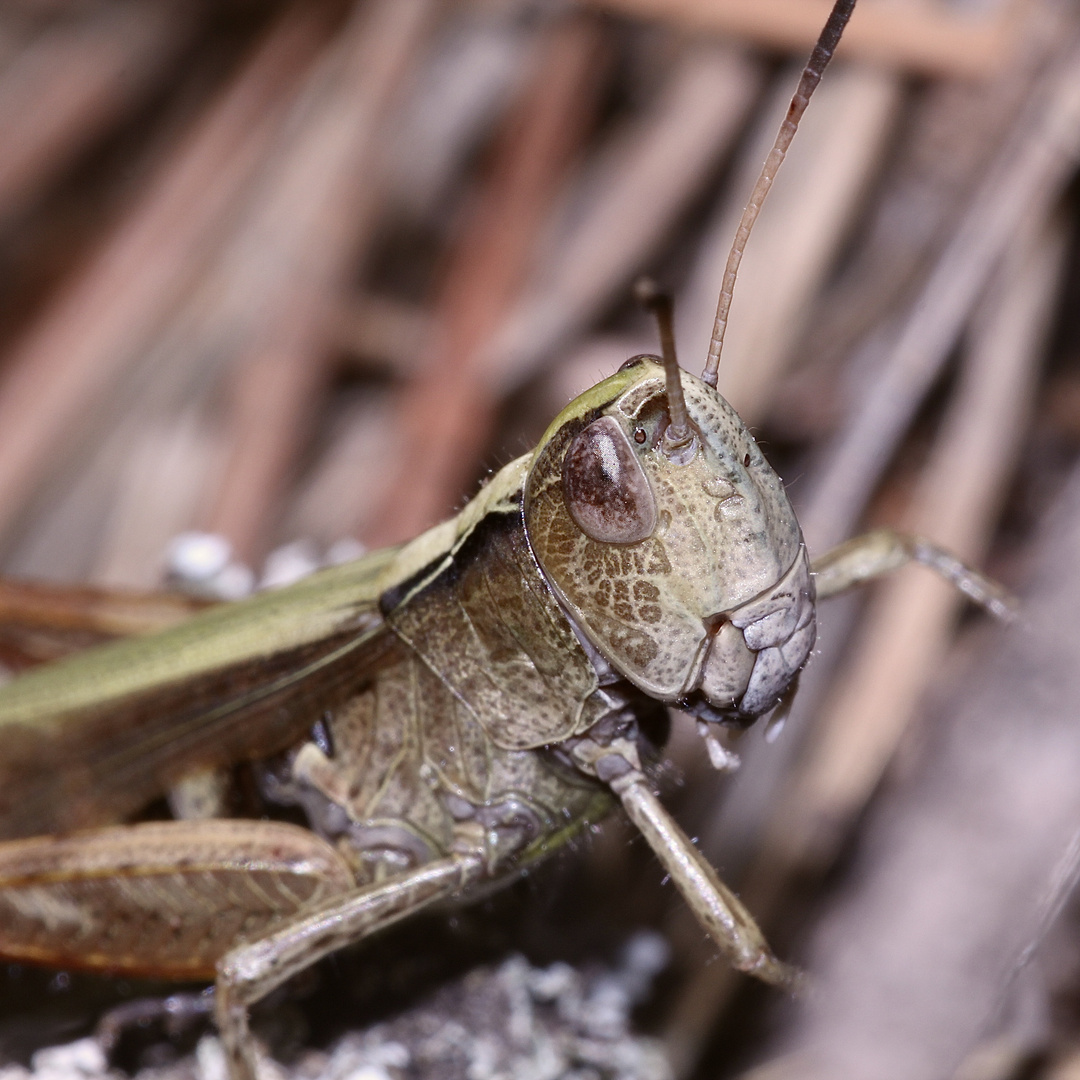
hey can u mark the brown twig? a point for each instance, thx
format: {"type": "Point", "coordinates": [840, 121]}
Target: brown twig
{"type": "Point", "coordinates": [447, 416]}
{"type": "Point", "coordinates": [74, 81]}
{"type": "Point", "coordinates": [62, 369]}
{"type": "Point", "coordinates": [925, 38]}
{"type": "Point", "coordinates": [950, 135]}
{"type": "Point", "coordinates": [627, 202]}
{"type": "Point", "coordinates": [1026, 178]}
{"type": "Point", "coordinates": [108, 612]}
{"type": "Point", "coordinates": [958, 501]}
{"type": "Point", "coordinates": [383, 330]}
{"type": "Point", "coordinates": [309, 224]}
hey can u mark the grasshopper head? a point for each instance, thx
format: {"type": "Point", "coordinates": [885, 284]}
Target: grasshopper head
{"type": "Point", "coordinates": [661, 526]}
{"type": "Point", "coordinates": [681, 560]}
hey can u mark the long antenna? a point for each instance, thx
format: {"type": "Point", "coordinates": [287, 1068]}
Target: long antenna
{"type": "Point", "coordinates": [811, 76]}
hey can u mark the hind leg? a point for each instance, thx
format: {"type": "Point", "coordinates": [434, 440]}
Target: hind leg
{"type": "Point", "coordinates": [250, 971]}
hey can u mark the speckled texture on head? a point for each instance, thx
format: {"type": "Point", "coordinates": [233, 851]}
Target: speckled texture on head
{"type": "Point", "coordinates": [725, 530]}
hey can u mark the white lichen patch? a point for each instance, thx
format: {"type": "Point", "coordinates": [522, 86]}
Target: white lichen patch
{"type": "Point", "coordinates": [513, 1022]}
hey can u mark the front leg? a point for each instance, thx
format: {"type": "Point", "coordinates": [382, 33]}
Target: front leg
{"type": "Point", "coordinates": [250, 971]}
{"type": "Point", "coordinates": [873, 554]}
{"type": "Point", "coordinates": [610, 753]}
{"type": "Point", "coordinates": [716, 907]}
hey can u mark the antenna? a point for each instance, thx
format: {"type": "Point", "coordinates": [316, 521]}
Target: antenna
{"type": "Point", "coordinates": [811, 76]}
{"type": "Point", "coordinates": [678, 432]}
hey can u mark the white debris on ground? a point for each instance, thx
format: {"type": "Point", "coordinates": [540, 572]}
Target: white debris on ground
{"type": "Point", "coordinates": [288, 564]}
{"type": "Point", "coordinates": [203, 564]}
{"type": "Point", "coordinates": [75, 1061]}
{"type": "Point", "coordinates": [513, 1022]}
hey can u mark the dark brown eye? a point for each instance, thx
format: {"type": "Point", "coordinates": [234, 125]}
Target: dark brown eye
{"type": "Point", "coordinates": [639, 435]}
{"type": "Point", "coordinates": [605, 487]}
{"type": "Point", "coordinates": [746, 461]}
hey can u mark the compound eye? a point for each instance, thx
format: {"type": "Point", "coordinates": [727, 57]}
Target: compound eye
{"type": "Point", "coordinates": [605, 487]}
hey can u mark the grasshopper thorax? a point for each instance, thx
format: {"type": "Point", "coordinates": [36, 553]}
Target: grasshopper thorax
{"type": "Point", "coordinates": [685, 570]}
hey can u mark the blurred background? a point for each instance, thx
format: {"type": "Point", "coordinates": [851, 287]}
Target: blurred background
{"type": "Point", "coordinates": [300, 274]}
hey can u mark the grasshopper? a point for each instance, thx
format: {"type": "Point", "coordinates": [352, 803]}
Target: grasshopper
{"type": "Point", "coordinates": [479, 695]}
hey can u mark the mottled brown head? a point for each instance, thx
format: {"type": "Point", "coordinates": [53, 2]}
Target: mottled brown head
{"type": "Point", "coordinates": [684, 567]}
